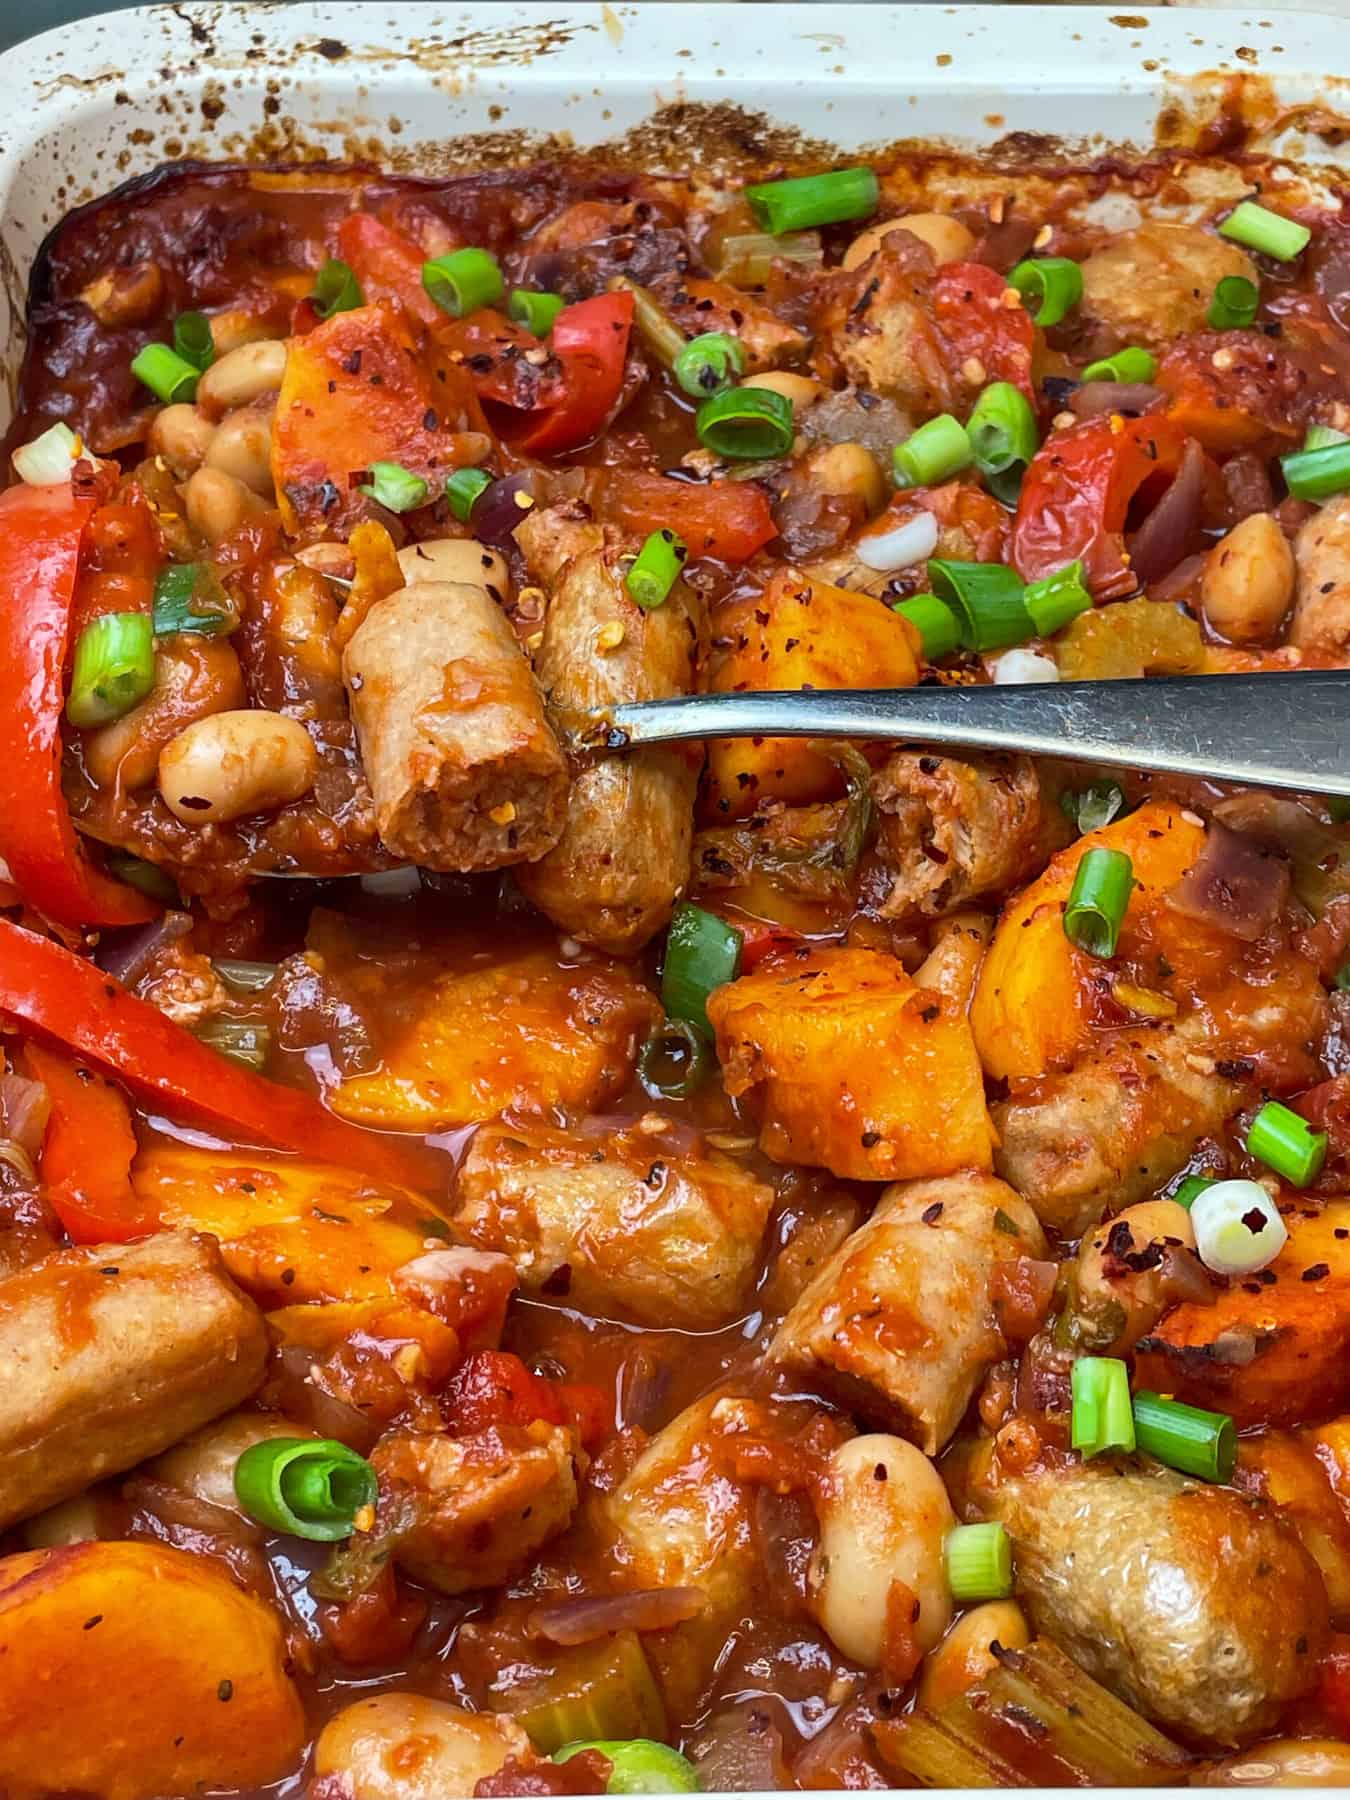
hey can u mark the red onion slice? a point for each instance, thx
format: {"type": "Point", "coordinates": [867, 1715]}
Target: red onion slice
{"type": "Point", "coordinates": [1165, 535]}
{"type": "Point", "coordinates": [1235, 885]}
{"type": "Point", "coordinates": [588, 1617]}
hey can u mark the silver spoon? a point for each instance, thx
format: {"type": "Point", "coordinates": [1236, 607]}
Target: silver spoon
{"type": "Point", "coordinates": [1280, 731]}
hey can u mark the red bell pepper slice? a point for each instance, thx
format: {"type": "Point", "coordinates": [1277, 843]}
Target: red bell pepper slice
{"type": "Point", "coordinates": [87, 1153]}
{"type": "Point", "coordinates": [590, 340]}
{"type": "Point", "coordinates": [978, 319]}
{"type": "Point", "coordinates": [1076, 497]}
{"type": "Point", "coordinates": [728, 520]}
{"type": "Point", "coordinates": [41, 530]}
{"type": "Point", "coordinates": [74, 1003]}
{"type": "Point", "coordinates": [387, 265]}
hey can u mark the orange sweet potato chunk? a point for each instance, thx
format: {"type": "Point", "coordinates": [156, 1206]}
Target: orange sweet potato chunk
{"type": "Point", "coordinates": [1029, 1014]}
{"type": "Point", "coordinates": [798, 634]}
{"type": "Point", "coordinates": [289, 1231]}
{"type": "Point", "coordinates": [853, 1068]}
{"type": "Point", "coordinates": [131, 1670]}
{"type": "Point", "coordinates": [360, 390]}
{"type": "Point", "coordinates": [1268, 1352]}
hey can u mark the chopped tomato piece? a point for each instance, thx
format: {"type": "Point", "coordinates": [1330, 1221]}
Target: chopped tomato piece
{"type": "Point", "coordinates": [492, 1387]}
{"type": "Point", "coordinates": [589, 1408]}
{"type": "Point", "coordinates": [980, 322]}
{"type": "Point", "coordinates": [1077, 494]}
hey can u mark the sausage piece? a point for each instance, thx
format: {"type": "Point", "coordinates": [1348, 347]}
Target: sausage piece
{"type": "Point", "coordinates": [1196, 1605]}
{"type": "Point", "coordinates": [463, 767]}
{"type": "Point", "coordinates": [1322, 607]}
{"type": "Point", "coordinates": [951, 831]}
{"type": "Point", "coordinates": [1112, 1130]}
{"type": "Point", "coordinates": [485, 1502]}
{"type": "Point", "coordinates": [625, 1221]}
{"type": "Point", "coordinates": [624, 852]}
{"type": "Point", "coordinates": [109, 1355]}
{"type": "Point", "coordinates": [902, 1322]}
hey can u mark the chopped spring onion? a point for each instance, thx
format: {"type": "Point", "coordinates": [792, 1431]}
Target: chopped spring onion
{"type": "Point", "coordinates": [979, 1562]}
{"type": "Point", "coordinates": [1021, 667]}
{"type": "Point", "coordinates": [708, 364]}
{"type": "Point", "coordinates": [936, 624]}
{"type": "Point", "coordinates": [1185, 1437]}
{"type": "Point", "coordinates": [902, 546]}
{"type": "Point", "coordinates": [114, 669]}
{"type": "Point", "coordinates": [933, 453]}
{"type": "Point", "coordinates": [1342, 982]}
{"type": "Point", "coordinates": [395, 487]}
{"type": "Point", "coordinates": [1317, 474]}
{"type": "Point", "coordinates": [1285, 1142]}
{"type": "Point", "coordinates": [703, 952]}
{"type": "Point", "coordinates": [189, 597]}
{"type": "Point", "coordinates": [169, 376]}
{"type": "Point", "coordinates": [1238, 1228]}
{"type": "Point", "coordinates": [811, 200]}
{"type": "Point", "coordinates": [1093, 806]}
{"type": "Point", "coordinates": [1003, 438]}
{"type": "Point", "coordinates": [1190, 1190]}
{"type": "Point", "coordinates": [243, 976]}
{"type": "Point", "coordinates": [48, 460]}
{"type": "Point", "coordinates": [673, 1061]}
{"type": "Point", "coordinates": [746, 424]}
{"type": "Point", "coordinates": [463, 280]}
{"type": "Point", "coordinates": [536, 312]}
{"type": "Point", "coordinates": [241, 1040]}
{"type": "Point", "coordinates": [1097, 901]}
{"type": "Point", "coordinates": [1129, 364]}
{"type": "Point", "coordinates": [1101, 1418]}
{"type": "Point", "coordinates": [987, 601]}
{"type": "Point", "coordinates": [1321, 437]}
{"type": "Point", "coordinates": [146, 877]}
{"type": "Point", "coordinates": [639, 1766]}
{"type": "Point", "coordinates": [1055, 599]}
{"type": "Point", "coordinates": [193, 341]}
{"type": "Point", "coordinates": [463, 490]}
{"type": "Point", "coordinates": [746, 258]}
{"type": "Point", "coordinates": [655, 569]}
{"type": "Point", "coordinates": [1234, 303]}
{"type": "Point", "coordinates": [1049, 285]}
{"type": "Point", "coordinates": [336, 289]}
{"type": "Point", "coordinates": [307, 1487]}
{"type": "Point", "coordinates": [1258, 228]}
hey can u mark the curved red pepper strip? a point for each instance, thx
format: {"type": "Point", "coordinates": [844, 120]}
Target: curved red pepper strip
{"type": "Point", "coordinates": [40, 534]}
{"type": "Point", "coordinates": [64, 998]}
{"type": "Point", "coordinates": [590, 340]}
{"type": "Point", "coordinates": [88, 1152]}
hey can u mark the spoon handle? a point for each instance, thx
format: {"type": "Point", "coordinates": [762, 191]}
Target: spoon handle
{"type": "Point", "coordinates": [1278, 730]}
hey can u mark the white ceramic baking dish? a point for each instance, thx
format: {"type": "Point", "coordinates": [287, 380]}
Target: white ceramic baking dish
{"type": "Point", "coordinates": [92, 105]}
